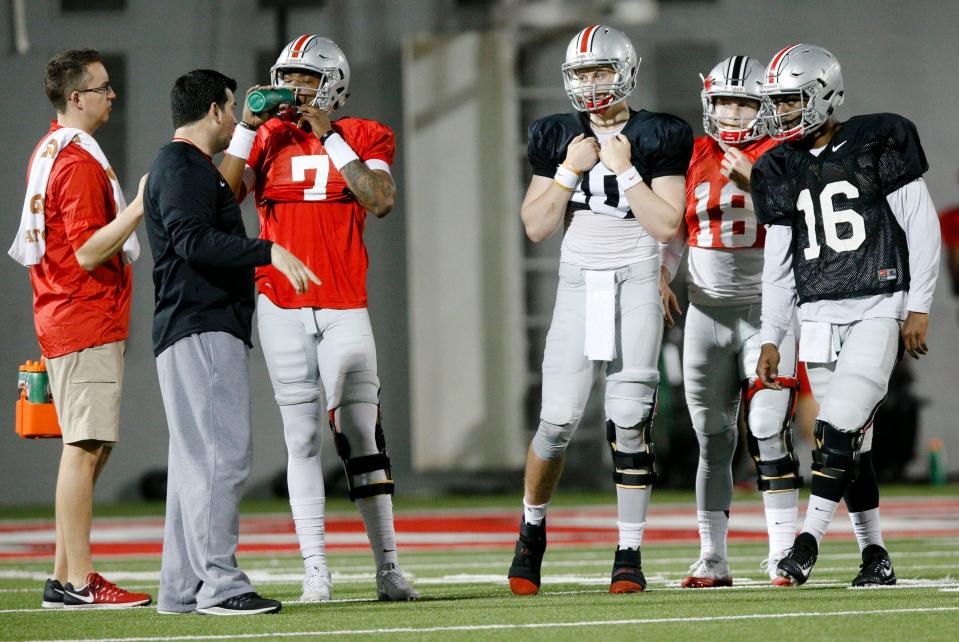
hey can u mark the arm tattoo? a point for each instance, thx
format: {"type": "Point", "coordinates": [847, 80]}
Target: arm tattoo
{"type": "Point", "coordinates": [373, 189]}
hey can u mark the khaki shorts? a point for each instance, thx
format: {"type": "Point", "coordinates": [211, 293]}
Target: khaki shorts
{"type": "Point", "coordinates": [86, 389]}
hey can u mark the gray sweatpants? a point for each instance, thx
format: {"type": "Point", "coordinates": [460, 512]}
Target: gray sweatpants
{"type": "Point", "coordinates": [204, 380]}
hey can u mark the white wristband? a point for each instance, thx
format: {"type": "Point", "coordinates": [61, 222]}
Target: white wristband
{"type": "Point", "coordinates": [566, 178]}
{"type": "Point", "coordinates": [241, 143]}
{"type": "Point", "coordinates": [339, 151]}
{"type": "Point", "coordinates": [629, 178]}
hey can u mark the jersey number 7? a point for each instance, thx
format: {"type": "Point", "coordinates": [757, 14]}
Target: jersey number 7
{"type": "Point", "coordinates": [318, 162]}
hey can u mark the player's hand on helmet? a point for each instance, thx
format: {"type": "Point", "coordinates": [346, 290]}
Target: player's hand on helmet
{"type": "Point", "coordinates": [616, 154]}
{"type": "Point", "coordinates": [314, 119]}
{"type": "Point", "coordinates": [582, 154]}
{"type": "Point", "coordinates": [670, 302]}
{"type": "Point", "coordinates": [736, 166]}
{"type": "Point", "coordinates": [914, 334]}
{"type": "Point", "coordinates": [768, 367]}
{"type": "Point", "coordinates": [292, 268]}
{"type": "Point", "coordinates": [255, 120]}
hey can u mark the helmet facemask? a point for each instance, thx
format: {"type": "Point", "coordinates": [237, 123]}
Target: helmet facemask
{"type": "Point", "coordinates": [322, 97]}
{"type": "Point", "coordinates": [795, 123]}
{"type": "Point", "coordinates": [591, 97]}
{"type": "Point", "coordinates": [733, 130]}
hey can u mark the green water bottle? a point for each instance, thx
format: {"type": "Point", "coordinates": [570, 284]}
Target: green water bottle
{"type": "Point", "coordinates": [35, 380]}
{"type": "Point", "coordinates": [937, 464]}
{"type": "Point", "coordinates": [263, 100]}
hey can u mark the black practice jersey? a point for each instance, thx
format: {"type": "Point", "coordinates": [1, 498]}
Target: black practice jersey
{"type": "Point", "coordinates": [846, 241]}
{"type": "Point", "coordinates": [662, 145]}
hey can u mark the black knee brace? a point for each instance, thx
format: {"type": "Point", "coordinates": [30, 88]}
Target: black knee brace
{"type": "Point", "coordinates": [782, 473]}
{"type": "Point", "coordinates": [837, 452]}
{"type": "Point", "coordinates": [358, 468]}
{"type": "Point", "coordinates": [644, 463]}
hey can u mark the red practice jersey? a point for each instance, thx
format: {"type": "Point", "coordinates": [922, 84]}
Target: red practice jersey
{"type": "Point", "coordinates": [718, 213]}
{"type": "Point", "coordinates": [305, 205]}
{"type": "Point", "coordinates": [949, 224]}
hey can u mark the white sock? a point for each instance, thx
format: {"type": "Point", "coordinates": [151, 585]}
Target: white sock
{"type": "Point", "coordinates": [534, 514]}
{"type": "Point", "coordinates": [782, 508]}
{"type": "Point", "coordinates": [866, 525]}
{"type": "Point", "coordinates": [819, 514]}
{"type": "Point", "coordinates": [377, 513]}
{"type": "Point", "coordinates": [631, 534]}
{"type": "Point", "coordinates": [713, 526]}
{"type": "Point", "coordinates": [310, 522]}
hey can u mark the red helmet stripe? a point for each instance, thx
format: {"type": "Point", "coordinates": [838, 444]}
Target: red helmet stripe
{"type": "Point", "coordinates": [298, 45]}
{"type": "Point", "coordinates": [773, 66]}
{"type": "Point", "coordinates": [585, 42]}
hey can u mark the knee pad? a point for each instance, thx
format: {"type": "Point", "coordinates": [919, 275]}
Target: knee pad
{"type": "Point", "coordinates": [630, 396]}
{"type": "Point", "coordinates": [634, 462]}
{"type": "Point", "coordinates": [550, 440]}
{"type": "Point", "coordinates": [837, 452]}
{"type": "Point", "coordinates": [780, 472]}
{"type": "Point", "coordinates": [360, 479]}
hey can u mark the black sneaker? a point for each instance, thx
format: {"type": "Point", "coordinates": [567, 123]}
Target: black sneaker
{"type": "Point", "coordinates": [524, 577]}
{"type": "Point", "coordinates": [627, 572]}
{"type": "Point", "coordinates": [876, 568]}
{"type": "Point", "coordinates": [52, 595]}
{"type": "Point", "coordinates": [800, 559]}
{"type": "Point", "coordinates": [246, 604]}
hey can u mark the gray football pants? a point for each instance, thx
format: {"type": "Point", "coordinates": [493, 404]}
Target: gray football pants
{"type": "Point", "coordinates": [721, 346]}
{"type": "Point", "coordinates": [631, 378]}
{"type": "Point", "coordinates": [204, 381]}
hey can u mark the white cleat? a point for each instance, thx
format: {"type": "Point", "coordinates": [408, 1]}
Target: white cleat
{"type": "Point", "coordinates": [317, 585]}
{"type": "Point", "coordinates": [391, 586]}
{"type": "Point", "coordinates": [771, 564]}
{"type": "Point", "coordinates": [708, 572]}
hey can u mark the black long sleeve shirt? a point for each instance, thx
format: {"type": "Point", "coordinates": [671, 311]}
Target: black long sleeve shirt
{"type": "Point", "coordinates": [203, 262]}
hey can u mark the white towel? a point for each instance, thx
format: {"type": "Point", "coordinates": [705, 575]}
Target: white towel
{"type": "Point", "coordinates": [29, 246]}
{"type": "Point", "coordinates": [600, 314]}
{"type": "Point", "coordinates": [816, 342]}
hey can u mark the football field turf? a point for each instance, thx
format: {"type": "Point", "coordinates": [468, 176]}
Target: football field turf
{"type": "Point", "coordinates": [461, 573]}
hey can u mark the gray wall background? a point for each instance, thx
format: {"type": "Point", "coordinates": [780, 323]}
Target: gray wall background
{"type": "Point", "coordinates": [895, 58]}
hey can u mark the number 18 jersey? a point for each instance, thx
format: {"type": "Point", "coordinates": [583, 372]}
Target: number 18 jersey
{"type": "Point", "coordinates": [304, 204]}
{"type": "Point", "coordinates": [725, 242]}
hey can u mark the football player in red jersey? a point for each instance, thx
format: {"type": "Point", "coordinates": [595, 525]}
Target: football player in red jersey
{"type": "Point", "coordinates": [721, 341]}
{"type": "Point", "coordinates": [852, 249]}
{"type": "Point", "coordinates": [616, 175]}
{"type": "Point", "coordinates": [314, 180]}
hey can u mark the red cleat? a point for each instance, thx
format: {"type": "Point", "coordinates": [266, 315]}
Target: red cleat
{"type": "Point", "coordinates": [627, 572]}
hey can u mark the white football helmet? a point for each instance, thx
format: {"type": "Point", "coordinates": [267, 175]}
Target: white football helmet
{"type": "Point", "coordinates": [734, 77]}
{"type": "Point", "coordinates": [600, 46]}
{"type": "Point", "coordinates": [809, 74]}
{"type": "Point", "coordinates": [321, 57]}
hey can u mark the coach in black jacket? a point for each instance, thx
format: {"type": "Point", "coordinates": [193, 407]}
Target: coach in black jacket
{"type": "Point", "coordinates": [203, 274]}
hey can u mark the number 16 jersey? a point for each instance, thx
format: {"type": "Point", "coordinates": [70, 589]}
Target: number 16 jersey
{"type": "Point", "coordinates": [304, 204]}
{"type": "Point", "coordinates": [725, 242]}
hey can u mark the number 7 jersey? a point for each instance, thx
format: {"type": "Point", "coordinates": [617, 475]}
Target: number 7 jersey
{"type": "Point", "coordinates": [725, 242]}
{"type": "Point", "coordinates": [304, 204]}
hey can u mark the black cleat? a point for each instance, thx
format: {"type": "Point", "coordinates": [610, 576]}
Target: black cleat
{"type": "Point", "coordinates": [876, 568]}
{"type": "Point", "coordinates": [245, 604]}
{"type": "Point", "coordinates": [524, 577]}
{"type": "Point", "coordinates": [800, 559]}
{"type": "Point", "coordinates": [52, 595]}
{"type": "Point", "coordinates": [627, 572]}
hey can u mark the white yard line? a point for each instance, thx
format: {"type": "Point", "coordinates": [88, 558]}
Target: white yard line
{"type": "Point", "coordinates": [538, 625]}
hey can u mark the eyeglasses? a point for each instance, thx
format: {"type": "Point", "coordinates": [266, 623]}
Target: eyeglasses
{"type": "Point", "coordinates": [104, 89]}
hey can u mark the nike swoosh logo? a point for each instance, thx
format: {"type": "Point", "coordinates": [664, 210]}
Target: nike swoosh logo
{"type": "Point", "coordinates": [88, 599]}
{"type": "Point", "coordinates": [835, 148]}
{"type": "Point", "coordinates": [821, 510]}
{"type": "Point", "coordinates": [222, 184]}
